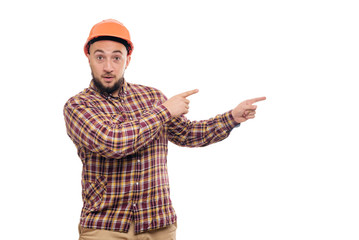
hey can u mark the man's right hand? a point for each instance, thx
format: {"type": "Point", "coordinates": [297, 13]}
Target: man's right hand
{"type": "Point", "coordinates": [179, 104]}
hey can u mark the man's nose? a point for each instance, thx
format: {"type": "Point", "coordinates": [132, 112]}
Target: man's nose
{"type": "Point", "coordinates": [108, 66]}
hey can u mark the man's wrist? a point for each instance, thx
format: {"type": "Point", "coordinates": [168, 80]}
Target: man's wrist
{"type": "Point", "coordinates": [230, 121]}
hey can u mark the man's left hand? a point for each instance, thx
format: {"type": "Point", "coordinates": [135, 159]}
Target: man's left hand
{"type": "Point", "coordinates": [246, 110]}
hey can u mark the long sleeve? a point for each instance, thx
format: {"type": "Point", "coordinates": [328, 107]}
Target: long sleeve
{"type": "Point", "coordinates": [184, 132]}
{"type": "Point", "coordinates": [110, 135]}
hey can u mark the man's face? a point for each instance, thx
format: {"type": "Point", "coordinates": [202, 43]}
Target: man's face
{"type": "Point", "coordinates": [108, 61]}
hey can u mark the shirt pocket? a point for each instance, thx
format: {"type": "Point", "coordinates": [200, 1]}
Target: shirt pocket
{"type": "Point", "coordinates": [93, 193]}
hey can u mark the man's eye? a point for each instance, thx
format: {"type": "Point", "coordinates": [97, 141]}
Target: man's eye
{"type": "Point", "coordinates": [117, 58]}
{"type": "Point", "coordinates": [99, 58]}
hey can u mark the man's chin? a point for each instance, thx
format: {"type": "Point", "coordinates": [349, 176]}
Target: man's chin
{"type": "Point", "coordinates": [106, 85]}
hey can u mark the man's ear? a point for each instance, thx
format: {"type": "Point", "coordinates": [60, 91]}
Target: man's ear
{"type": "Point", "coordinates": [88, 57]}
{"type": "Point", "coordinates": [128, 60]}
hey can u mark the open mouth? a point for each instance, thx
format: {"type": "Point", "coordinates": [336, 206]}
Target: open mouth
{"type": "Point", "coordinates": [108, 78]}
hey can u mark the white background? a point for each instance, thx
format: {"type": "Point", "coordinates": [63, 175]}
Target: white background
{"type": "Point", "coordinates": [291, 173]}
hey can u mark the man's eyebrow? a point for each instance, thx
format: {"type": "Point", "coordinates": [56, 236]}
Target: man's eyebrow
{"type": "Point", "coordinates": [101, 51]}
{"type": "Point", "coordinates": [98, 50]}
{"type": "Point", "coordinates": [118, 51]}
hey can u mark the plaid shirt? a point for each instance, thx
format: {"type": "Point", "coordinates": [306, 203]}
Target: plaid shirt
{"type": "Point", "coordinates": [122, 143]}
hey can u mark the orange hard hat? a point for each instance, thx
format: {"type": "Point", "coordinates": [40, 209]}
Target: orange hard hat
{"type": "Point", "coordinates": [109, 28]}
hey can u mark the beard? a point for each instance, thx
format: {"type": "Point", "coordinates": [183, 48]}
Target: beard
{"type": "Point", "coordinates": [107, 90]}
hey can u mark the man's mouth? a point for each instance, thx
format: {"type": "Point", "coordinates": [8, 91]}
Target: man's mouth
{"type": "Point", "coordinates": [108, 78]}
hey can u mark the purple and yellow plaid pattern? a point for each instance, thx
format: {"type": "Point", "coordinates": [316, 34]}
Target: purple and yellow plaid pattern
{"type": "Point", "coordinates": [122, 143]}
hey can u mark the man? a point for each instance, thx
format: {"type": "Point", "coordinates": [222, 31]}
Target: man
{"type": "Point", "coordinates": [121, 131]}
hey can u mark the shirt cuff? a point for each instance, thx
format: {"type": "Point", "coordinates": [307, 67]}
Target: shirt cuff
{"type": "Point", "coordinates": [162, 113]}
{"type": "Point", "coordinates": [229, 121]}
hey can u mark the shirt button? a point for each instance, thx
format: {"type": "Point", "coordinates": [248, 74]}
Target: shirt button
{"type": "Point", "coordinates": [134, 205]}
{"type": "Point", "coordinates": [136, 183]}
{"type": "Point", "coordinates": [122, 100]}
{"type": "Point", "coordinates": [138, 161]}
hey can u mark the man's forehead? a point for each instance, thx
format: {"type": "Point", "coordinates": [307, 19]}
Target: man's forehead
{"type": "Point", "coordinates": [108, 46]}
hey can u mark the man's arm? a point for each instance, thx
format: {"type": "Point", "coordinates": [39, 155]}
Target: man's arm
{"type": "Point", "coordinates": [184, 132]}
{"type": "Point", "coordinates": [108, 135]}
{"type": "Point", "coordinates": [202, 133]}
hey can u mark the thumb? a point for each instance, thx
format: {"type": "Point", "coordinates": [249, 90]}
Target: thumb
{"type": "Point", "coordinates": [251, 107]}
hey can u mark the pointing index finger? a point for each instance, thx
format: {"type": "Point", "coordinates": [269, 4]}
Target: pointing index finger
{"type": "Point", "coordinates": [254, 100]}
{"type": "Point", "coordinates": [188, 93]}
